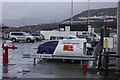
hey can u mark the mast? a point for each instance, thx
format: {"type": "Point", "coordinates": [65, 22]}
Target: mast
{"type": "Point", "coordinates": [71, 12]}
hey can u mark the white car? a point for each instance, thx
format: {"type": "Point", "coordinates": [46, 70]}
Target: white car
{"type": "Point", "coordinates": [21, 36]}
{"type": "Point", "coordinates": [37, 36]}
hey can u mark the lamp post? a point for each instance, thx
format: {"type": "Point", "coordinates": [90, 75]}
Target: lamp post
{"type": "Point", "coordinates": [71, 12]}
{"type": "Point", "coordinates": [88, 22]}
{"type": "Point", "coordinates": [23, 21]}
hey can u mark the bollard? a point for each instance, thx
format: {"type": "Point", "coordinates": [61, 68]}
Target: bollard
{"type": "Point", "coordinates": [34, 61]}
{"type": "Point", "coordinates": [5, 53]}
{"type": "Point", "coordinates": [84, 68]}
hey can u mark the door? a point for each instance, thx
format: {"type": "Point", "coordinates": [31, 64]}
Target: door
{"type": "Point", "coordinates": [20, 36]}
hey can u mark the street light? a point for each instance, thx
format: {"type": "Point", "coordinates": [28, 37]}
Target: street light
{"type": "Point", "coordinates": [88, 22]}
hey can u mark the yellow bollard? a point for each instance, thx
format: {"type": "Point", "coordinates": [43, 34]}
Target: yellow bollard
{"type": "Point", "coordinates": [105, 43]}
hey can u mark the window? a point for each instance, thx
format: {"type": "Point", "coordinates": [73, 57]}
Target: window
{"type": "Point", "coordinates": [53, 43]}
{"type": "Point", "coordinates": [35, 35]}
{"type": "Point", "coordinates": [92, 34]}
{"type": "Point", "coordinates": [53, 37]}
{"type": "Point", "coordinates": [85, 34]}
{"type": "Point", "coordinates": [60, 37]}
{"type": "Point", "coordinates": [71, 38]}
{"type": "Point", "coordinates": [19, 34]}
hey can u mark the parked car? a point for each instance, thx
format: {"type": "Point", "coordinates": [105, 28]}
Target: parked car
{"type": "Point", "coordinates": [21, 36]}
{"type": "Point", "coordinates": [38, 37]}
{"type": "Point", "coordinates": [47, 47]}
{"type": "Point", "coordinates": [89, 36]}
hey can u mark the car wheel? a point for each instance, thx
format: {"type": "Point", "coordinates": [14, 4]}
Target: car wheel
{"type": "Point", "coordinates": [28, 40]}
{"type": "Point", "coordinates": [37, 39]}
{"type": "Point", "coordinates": [13, 40]}
{"type": "Point", "coordinates": [44, 52]}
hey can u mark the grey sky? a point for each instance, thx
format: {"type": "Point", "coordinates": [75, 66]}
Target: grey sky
{"type": "Point", "coordinates": [47, 10]}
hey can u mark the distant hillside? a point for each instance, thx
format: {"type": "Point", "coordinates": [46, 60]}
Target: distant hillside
{"type": "Point", "coordinates": [2, 25]}
{"type": "Point", "coordinates": [95, 12]}
{"type": "Point", "coordinates": [97, 18]}
{"type": "Point", "coordinates": [39, 27]}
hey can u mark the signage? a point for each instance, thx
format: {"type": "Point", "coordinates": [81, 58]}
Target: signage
{"type": "Point", "coordinates": [68, 48]}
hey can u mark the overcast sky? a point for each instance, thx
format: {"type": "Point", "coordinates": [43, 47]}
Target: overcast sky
{"type": "Point", "coordinates": [47, 10]}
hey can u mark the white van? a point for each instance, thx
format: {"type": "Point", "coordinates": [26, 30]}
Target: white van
{"type": "Point", "coordinates": [61, 37]}
{"type": "Point", "coordinates": [90, 35]}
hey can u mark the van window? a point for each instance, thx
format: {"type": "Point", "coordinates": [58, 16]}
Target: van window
{"type": "Point", "coordinates": [53, 38]}
{"type": "Point", "coordinates": [60, 37]}
{"type": "Point", "coordinates": [84, 33]}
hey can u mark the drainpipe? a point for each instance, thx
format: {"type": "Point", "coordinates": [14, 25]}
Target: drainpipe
{"type": "Point", "coordinates": [118, 36]}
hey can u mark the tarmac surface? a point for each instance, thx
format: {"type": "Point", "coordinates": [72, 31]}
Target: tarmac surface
{"type": "Point", "coordinates": [23, 68]}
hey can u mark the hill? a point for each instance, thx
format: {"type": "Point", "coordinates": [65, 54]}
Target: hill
{"type": "Point", "coordinates": [98, 18]}
{"type": "Point", "coordinates": [95, 13]}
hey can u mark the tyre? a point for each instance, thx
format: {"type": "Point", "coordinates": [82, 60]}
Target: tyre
{"type": "Point", "coordinates": [28, 40]}
{"type": "Point", "coordinates": [37, 39]}
{"type": "Point", "coordinates": [13, 40]}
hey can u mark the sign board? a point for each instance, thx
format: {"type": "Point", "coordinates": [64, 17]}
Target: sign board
{"type": "Point", "coordinates": [67, 28]}
{"type": "Point", "coordinates": [68, 48]}
{"type": "Point", "coordinates": [108, 42]}
{"type": "Point", "coordinates": [41, 56]}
